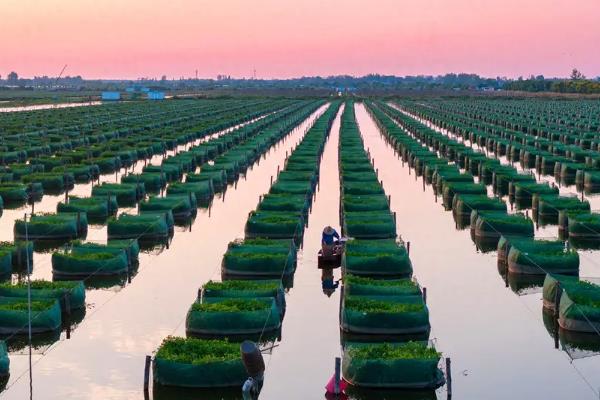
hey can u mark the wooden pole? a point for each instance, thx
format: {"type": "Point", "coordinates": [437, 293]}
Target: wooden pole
{"type": "Point", "coordinates": [449, 378]}
{"type": "Point", "coordinates": [147, 374]}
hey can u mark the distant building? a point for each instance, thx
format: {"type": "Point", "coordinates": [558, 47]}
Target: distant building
{"type": "Point", "coordinates": [111, 96]}
{"type": "Point", "coordinates": [156, 95]}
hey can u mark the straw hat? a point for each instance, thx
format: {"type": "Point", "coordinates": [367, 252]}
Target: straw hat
{"type": "Point", "coordinates": [328, 230]}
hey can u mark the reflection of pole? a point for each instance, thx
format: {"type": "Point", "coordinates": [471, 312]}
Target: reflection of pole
{"type": "Point", "coordinates": [147, 376]}
{"type": "Point", "coordinates": [448, 378]}
{"type": "Point", "coordinates": [28, 304]}
{"type": "Point", "coordinates": [336, 382]}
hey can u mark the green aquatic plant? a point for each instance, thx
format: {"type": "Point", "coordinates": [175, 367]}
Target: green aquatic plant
{"type": "Point", "coordinates": [242, 285]}
{"type": "Point", "coordinates": [232, 305]}
{"type": "Point", "coordinates": [359, 280]}
{"type": "Point", "coordinates": [381, 306]}
{"type": "Point", "coordinates": [21, 305]}
{"type": "Point", "coordinates": [386, 351]}
{"type": "Point", "coordinates": [197, 351]}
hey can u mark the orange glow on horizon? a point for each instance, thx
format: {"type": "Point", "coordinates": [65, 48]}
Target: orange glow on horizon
{"type": "Point", "coordinates": [142, 38]}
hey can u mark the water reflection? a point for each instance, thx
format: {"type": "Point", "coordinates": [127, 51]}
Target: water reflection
{"type": "Point", "coordinates": [576, 344]}
{"type": "Point", "coordinates": [48, 106]}
{"type": "Point", "coordinates": [460, 279]}
{"type": "Point", "coordinates": [328, 283]}
{"type": "Point", "coordinates": [355, 393]}
{"type": "Point", "coordinates": [161, 392]}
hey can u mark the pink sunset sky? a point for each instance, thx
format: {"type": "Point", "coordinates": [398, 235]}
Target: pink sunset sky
{"type": "Point", "coordinates": [286, 38]}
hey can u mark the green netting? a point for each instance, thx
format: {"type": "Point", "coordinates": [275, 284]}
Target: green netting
{"type": "Point", "coordinates": [13, 192]}
{"type": "Point", "coordinates": [130, 246]}
{"type": "Point", "coordinates": [186, 162]}
{"type": "Point", "coordinates": [127, 194]}
{"type": "Point", "coordinates": [547, 207]}
{"type": "Point", "coordinates": [217, 178]}
{"type": "Point", "coordinates": [229, 171]}
{"type": "Point", "coordinates": [365, 203]}
{"type": "Point", "coordinates": [49, 162]}
{"type": "Point", "coordinates": [504, 178]}
{"type": "Point", "coordinates": [50, 181]}
{"type": "Point", "coordinates": [153, 181]}
{"type": "Point", "coordinates": [300, 176]}
{"type": "Point", "coordinates": [491, 224]}
{"type": "Point", "coordinates": [591, 181]}
{"type": "Point", "coordinates": [384, 315]}
{"type": "Point", "coordinates": [203, 190]}
{"type": "Point", "coordinates": [376, 257]}
{"type": "Point", "coordinates": [106, 165]}
{"type": "Point", "coordinates": [523, 192]}
{"type": "Point", "coordinates": [359, 164]}
{"type": "Point", "coordinates": [96, 208]}
{"type": "Point", "coordinates": [90, 260]}
{"type": "Point", "coordinates": [245, 288]}
{"type": "Point", "coordinates": [369, 225]}
{"type": "Point", "coordinates": [172, 172]}
{"type": "Point", "coordinates": [539, 257]}
{"type": "Point", "coordinates": [463, 204]}
{"type": "Point", "coordinates": [182, 206]}
{"type": "Point", "coordinates": [145, 226]}
{"type": "Point", "coordinates": [432, 165]}
{"type": "Point", "coordinates": [52, 226]}
{"type": "Point", "coordinates": [19, 250]}
{"type": "Point", "coordinates": [442, 178]}
{"type": "Point", "coordinates": [35, 191]}
{"type": "Point", "coordinates": [363, 286]}
{"type": "Point", "coordinates": [167, 214]}
{"type": "Point", "coordinates": [14, 316]}
{"type": "Point", "coordinates": [275, 225]}
{"type": "Point", "coordinates": [43, 290]}
{"type": "Point", "coordinates": [81, 173]}
{"type": "Point", "coordinates": [410, 365]}
{"type": "Point", "coordinates": [304, 188]}
{"type": "Point", "coordinates": [233, 316]}
{"type": "Point", "coordinates": [585, 226]}
{"type": "Point", "coordinates": [555, 282]}
{"type": "Point", "coordinates": [361, 188]}
{"type": "Point", "coordinates": [360, 176]}
{"type": "Point", "coordinates": [4, 360]}
{"type": "Point", "coordinates": [190, 362]}
{"type": "Point", "coordinates": [568, 171]}
{"type": "Point", "coordinates": [260, 257]}
{"type": "Point", "coordinates": [506, 241]}
{"type": "Point", "coordinates": [579, 310]}
{"type": "Point", "coordinates": [284, 202]}
{"type": "Point", "coordinates": [452, 189]}
{"type": "Point", "coordinates": [6, 263]}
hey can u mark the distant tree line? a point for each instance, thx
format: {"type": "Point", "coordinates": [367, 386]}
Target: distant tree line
{"type": "Point", "coordinates": [333, 83]}
{"type": "Point", "coordinates": [577, 83]}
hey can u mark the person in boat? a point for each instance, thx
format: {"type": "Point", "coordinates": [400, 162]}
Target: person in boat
{"type": "Point", "coordinates": [329, 240]}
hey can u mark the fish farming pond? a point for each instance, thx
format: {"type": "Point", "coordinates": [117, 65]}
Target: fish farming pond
{"type": "Point", "coordinates": [141, 243]}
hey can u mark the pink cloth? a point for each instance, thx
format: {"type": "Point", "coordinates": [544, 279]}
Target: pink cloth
{"type": "Point", "coordinates": [330, 387]}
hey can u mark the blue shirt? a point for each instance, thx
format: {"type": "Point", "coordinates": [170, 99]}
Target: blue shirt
{"type": "Point", "coordinates": [328, 239]}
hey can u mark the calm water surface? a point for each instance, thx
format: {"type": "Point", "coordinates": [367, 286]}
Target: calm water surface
{"type": "Point", "coordinates": [497, 340]}
{"type": "Point", "coordinates": [104, 358]}
{"type": "Point", "coordinates": [499, 346]}
{"type": "Point", "coordinates": [49, 106]}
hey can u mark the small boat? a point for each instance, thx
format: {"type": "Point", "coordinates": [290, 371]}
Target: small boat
{"type": "Point", "coordinates": [333, 260]}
